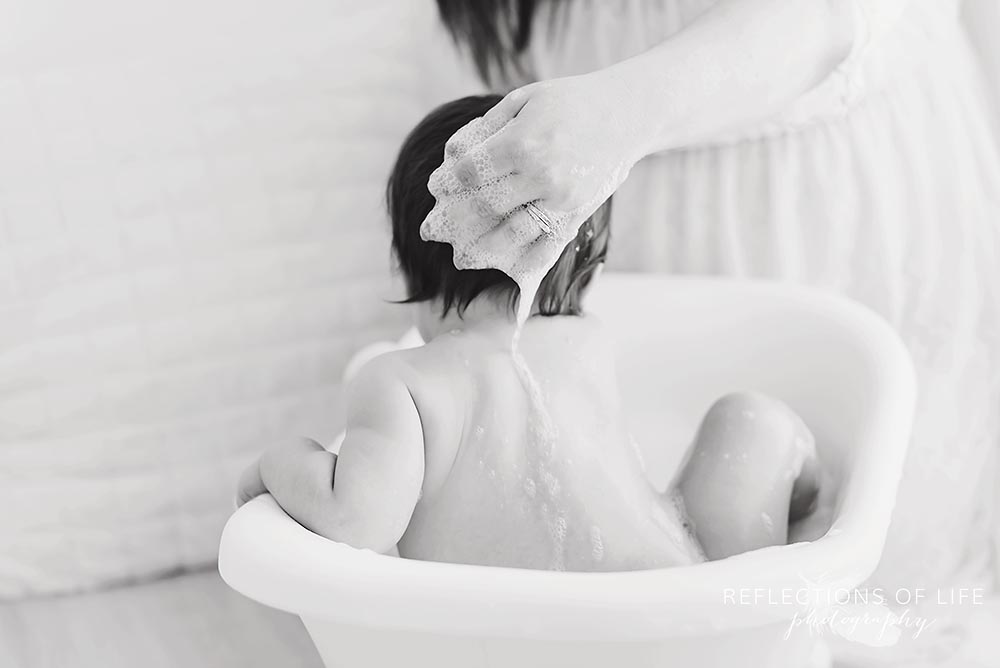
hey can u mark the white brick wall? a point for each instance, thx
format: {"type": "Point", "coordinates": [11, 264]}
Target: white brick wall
{"type": "Point", "coordinates": [192, 243]}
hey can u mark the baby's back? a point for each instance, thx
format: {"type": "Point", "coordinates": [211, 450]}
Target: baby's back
{"type": "Point", "coordinates": [528, 462]}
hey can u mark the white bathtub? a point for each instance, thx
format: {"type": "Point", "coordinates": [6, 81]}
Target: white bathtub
{"type": "Point", "coordinates": [682, 343]}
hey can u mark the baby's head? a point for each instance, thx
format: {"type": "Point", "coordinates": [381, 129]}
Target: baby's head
{"type": "Point", "coordinates": [427, 266]}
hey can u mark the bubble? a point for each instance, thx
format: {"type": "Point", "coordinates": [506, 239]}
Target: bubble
{"type": "Point", "coordinates": [596, 543]}
{"type": "Point", "coordinates": [768, 522]}
{"type": "Point", "coordinates": [667, 519]}
{"type": "Point", "coordinates": [559, 530]}
{"type": "Point", "coordinates": [551, 483]}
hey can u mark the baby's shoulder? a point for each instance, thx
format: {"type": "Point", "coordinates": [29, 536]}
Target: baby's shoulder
{"type": "Point", "coordinates": [399, 373]}
{"type": "Point", "coordinates": [392, 366]}
{"type": "Point", "coordinates": [592, 327]}
{"type": "Point", "coordinates": [428, 372]}
{"type": "Point", "coordinates": [377, 377]}
{"type": "Point", "coordinates": [577, 330]}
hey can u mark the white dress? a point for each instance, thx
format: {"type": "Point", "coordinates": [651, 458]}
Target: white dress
{"type": "Point", "coordinates": [883, 184]}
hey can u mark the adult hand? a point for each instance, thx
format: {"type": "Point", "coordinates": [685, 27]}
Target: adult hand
{"type": "Point", "coordinates": [561, 146]}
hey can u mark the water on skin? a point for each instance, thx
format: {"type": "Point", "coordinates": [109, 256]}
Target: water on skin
{"type": "Point", "coordinates": [440, 225]}
{"type": "Point", "coordinates": [541, 481]}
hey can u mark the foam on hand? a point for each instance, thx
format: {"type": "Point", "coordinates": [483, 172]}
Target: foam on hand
{"type": "Point", "coordinates": [462, 216]}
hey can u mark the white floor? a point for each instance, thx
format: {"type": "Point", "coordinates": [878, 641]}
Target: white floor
{"type": "Point", "coordinates": [189, 621]}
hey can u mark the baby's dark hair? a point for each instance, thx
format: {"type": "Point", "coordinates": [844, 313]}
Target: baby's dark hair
{"type": "Point", "coordinates": [427, 266]}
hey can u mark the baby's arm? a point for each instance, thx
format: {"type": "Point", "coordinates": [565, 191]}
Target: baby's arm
{"type": "Point", "coordinates": [365, 495]}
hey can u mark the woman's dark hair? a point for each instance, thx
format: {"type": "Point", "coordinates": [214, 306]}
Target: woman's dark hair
{"type": "Point", "coordinates": [496, 32]}
{"type": "Point", "coordinates": [427, 266]}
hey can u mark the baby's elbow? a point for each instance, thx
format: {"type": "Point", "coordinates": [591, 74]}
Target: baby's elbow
{"type": "Point", "coordinates": [358, 532]}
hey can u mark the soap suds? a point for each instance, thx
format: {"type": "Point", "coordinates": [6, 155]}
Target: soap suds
{"type": "Point", "coordinates": [596, 544]}
{"type": "Point", "coordinates": [539, 450]}
{"type": "Point", "coordinates": [460, 217]}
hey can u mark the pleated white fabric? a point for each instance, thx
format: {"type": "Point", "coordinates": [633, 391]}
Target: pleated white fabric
{"type": "Point", "coordinates": [892, 199]}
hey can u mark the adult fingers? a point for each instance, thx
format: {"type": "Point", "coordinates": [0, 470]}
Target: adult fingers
{"type": "Point", "coordinates": [487, 161]}
{"type": "Point", "coordinates": [479, 129]}
{"type": "Point", "coordinates": [469, 135]}
{"type": "Point", "coordinates": [503, 154]}
{"type": "Point", "coordinates": [504, 245]}
{"type": "Point", "coordinates": [539, 257]}
{"type": "Point", "coordinates": [500, 198]}
{"type": "Point", "coordinates": [503, 111]}
{"type": "Point", "coordinates": [460, 216]}
{"type": "Point", "coordinates": [457, 222]}
{"type": "Point", "coordinates": [500, 195]}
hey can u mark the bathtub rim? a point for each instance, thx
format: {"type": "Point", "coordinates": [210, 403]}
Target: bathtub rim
{"type": "Point", "coordinates": [268, 557]}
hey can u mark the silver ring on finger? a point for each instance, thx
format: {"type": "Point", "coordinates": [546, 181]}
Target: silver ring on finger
{"type": "Point", "coordinates": [520, 227]}
{"type": "Point", "coordinates": [541, 218]}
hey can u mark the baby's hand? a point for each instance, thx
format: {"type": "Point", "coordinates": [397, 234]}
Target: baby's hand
{"type": "Point", "coordinates": [250, 484]}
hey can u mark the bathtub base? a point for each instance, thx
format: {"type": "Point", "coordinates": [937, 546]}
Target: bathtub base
{"type": "Point", "coordinates": [344, 646]}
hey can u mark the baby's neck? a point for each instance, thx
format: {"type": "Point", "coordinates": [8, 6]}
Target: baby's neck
{"type": "Point", "coordinates": [484, 315]}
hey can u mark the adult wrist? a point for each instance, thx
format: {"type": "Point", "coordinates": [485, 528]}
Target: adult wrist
{"type": "Point", "coordinates": [633, 116]}
{"type": "Point", "coordinates": [652, 107]}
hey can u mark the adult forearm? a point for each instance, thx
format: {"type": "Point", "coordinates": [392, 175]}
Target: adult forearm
{"type": "Point", "coordinates": [740, 62]}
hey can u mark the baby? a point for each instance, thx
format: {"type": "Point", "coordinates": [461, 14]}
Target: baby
{"type": "Point", "coordinates": [463, 451]}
